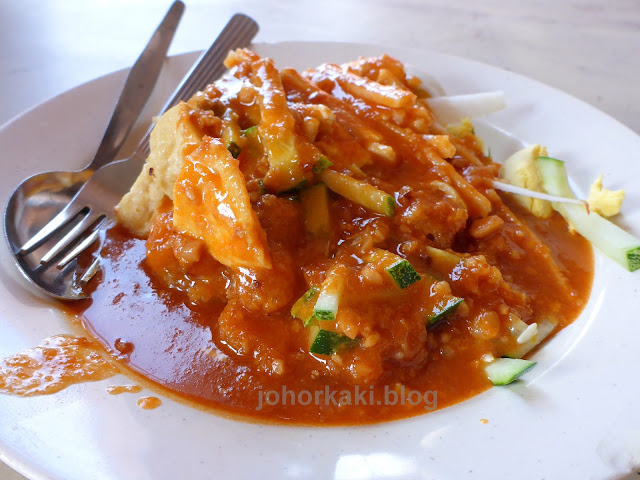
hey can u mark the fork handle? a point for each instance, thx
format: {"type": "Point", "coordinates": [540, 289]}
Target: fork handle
{"type": "Point", "coordinates": [138, 87]}
{"type": "Point", "coordinates": [238, 32]}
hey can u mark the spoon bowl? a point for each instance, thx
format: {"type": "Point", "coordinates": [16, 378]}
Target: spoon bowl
{"type": "Point", "coordinates": [36, 201]}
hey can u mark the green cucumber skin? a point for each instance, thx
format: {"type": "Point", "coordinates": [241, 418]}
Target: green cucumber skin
{"type": "Point", "coordinates": [309, 294]}
{"type": "Point", "coordinates": [250, 132]}
{"type": "Point", "coordinates": [234, 149]}
{"type": "Point", "coordinates": [326, 307]}
{"type": "Point", "coordinates": [633, 259]}
{"type": "Point", "coordinates": [325, 315]}
{"type": "Point", "coordinates": [439, 316]}
{"type": "Point", "coordinates": [504, 371]}
{"type": "Point", "coordinates": [391, 206]}
{"type": "Point", "coordinates": [321, 165]}
{"type": "Point", "coordinates": [298, 306]}
{"type": "Point", "coordinates": [403, 274]}
{"type": "Point", "coordinates": [617, 244]}
{"type": "Point", "coordinates": [327, 342]}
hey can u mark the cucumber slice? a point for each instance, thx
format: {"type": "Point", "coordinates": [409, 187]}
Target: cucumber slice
{"type": "Point", "coordinates": [400, 270]}
{"type": "Point", "coordinates": [325, 342]}
{"type": "Point", "coordinates": [303, 308]}
{"type": "Point", "coordinates": [234, 149]}
{"type": "Point", "coordinates": [315, 210]}
{"type": "Point", "coordinates": [443, 310]}
{"type": "Point", "coordinates": [503, 371]}
{"type": "Point", "coordinates": [443, 261]}
{"type": "Point", "coordinates": [321, 165]}
{"type": "Point", "coordinates": [617, 244]}
{"type": "Point", "coordinates": [360, 192]}
{"type": "Point", "coordinates": [545, 328]}
{"type": "Point", "coordinates": [403, 273]}
{"type": "Point", "coordinates": [326, 307]}
{"type": "Point", "coordinates": [250, 132]}
{"type": "Point", "coordinates": [231, 135]}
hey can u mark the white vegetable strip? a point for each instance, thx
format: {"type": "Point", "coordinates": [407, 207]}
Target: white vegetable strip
{"type": "Point", "coordinates": [530, 332]}
{"type": "Point", "coordinates": [507, 187]}
{"type": "Point", "coordinates": [616, 243]}
{"type": "Point", "coordinates": [452, 109]}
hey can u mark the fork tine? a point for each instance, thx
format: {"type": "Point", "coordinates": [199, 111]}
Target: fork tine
{"type": "Point", "coordinates": [83, 224]}
{"type": "Point", "coordinates": [60, 220]}
{"type": "Point", "coordinates": [85, 243]}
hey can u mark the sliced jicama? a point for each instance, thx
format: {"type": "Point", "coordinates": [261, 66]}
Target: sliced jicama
{"type": "Point", "coordinates": [452, 109]}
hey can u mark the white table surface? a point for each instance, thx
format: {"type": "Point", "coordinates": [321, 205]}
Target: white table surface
{"type": "Point", "coordinates": [588, 48]}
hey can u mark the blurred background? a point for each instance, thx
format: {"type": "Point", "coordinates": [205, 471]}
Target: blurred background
{"type": "Point", "coordinates": [588, 48]}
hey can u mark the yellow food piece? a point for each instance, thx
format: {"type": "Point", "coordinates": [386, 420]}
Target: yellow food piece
{"type": "Point", "coordinates": [604, 202]}
{"type": "Point", "coordinates": [173, 137]}
{"type": "Point", "coordinates": [521, 170]}
{"type": "Point", "coordinates": [462, 129]}
{"type": "Point", "coordinates": [315, 210]}
{"type": "Point", "coordinates": [211, 202]}
{"type": "Point", "coordinates": [370, 90]}
{"type": "Point", "coordinates": [276, 129]}
{"type": "Point", "coordinates": [360, 192]}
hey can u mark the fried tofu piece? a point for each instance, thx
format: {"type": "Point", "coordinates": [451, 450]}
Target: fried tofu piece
{"type": "Point", "coordinates": [173, 137]}
{"type": "Point", "coordinates": [211, 202]}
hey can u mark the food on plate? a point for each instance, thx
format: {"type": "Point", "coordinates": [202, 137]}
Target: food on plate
{"type": "Point", "coordinates": [321, 247]}
{"type": "Point", "coordinates": [521, 170]}
{"type": "Point", "coordinates": [540, 183]}
{"type": "Point", "coordinates": [615, 242]}
{"type": "Point", "coordinates": [55, 364]}
{"type": "Point", "coordinates": [603, 201]}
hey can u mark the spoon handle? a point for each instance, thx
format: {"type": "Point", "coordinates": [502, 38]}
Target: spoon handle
{"type": "Point", "coordinates": [138, 87]}
{"type": "Point", "coordinates": [238, 32]}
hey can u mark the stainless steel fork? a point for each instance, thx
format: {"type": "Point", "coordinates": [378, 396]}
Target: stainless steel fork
{"type": "Point", "coordinates": [49, 258]}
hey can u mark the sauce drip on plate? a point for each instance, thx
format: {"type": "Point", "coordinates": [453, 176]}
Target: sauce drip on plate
{"type": "Point", "coordinates": [118, 389]}
{"type": "Point", "coordinates": [149, 403]}
{"type": "Point", "coordinates": [55, 364]}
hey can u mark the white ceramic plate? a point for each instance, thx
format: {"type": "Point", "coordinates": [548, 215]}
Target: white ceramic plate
{"type": "Point", "coordinates": [575, 416]}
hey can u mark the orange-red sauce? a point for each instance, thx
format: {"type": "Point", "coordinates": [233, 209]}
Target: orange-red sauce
{"type": "Point", "coordinates": [149, 403]}
{"type": "Point", "coordinates": [176, 346]}
{"type": "Point", "coordinates": [119, 389]}
{"type": "Point", "coordinates": [224, 336]}
{"type": "Point", "coordinates": [57, 363]}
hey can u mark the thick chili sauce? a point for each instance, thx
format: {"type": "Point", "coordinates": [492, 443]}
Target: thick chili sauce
{"type": "Point", "coordinates": [158, 332]}
{"type": "Point", "coordinates": [223, 335]}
